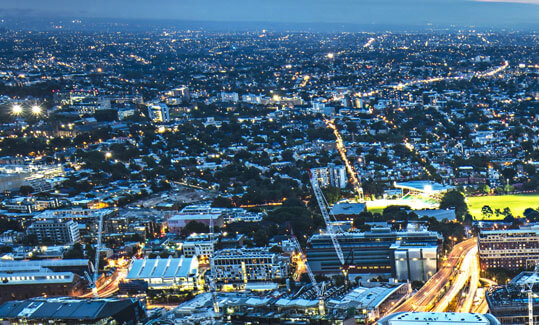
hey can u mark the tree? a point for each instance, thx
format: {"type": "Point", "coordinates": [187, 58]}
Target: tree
{"type": "Point", "coordinates": [487, 212]}
{"type": "Point", "coordinates": [75, 252]}
{"type": "Point", "coordinates": [276, 249]}
{"type": "Point", "coordinates": [261, 237]}
{"type": "Point", "coordinates": [509, 173]}
{"type": "Point", "coordinates": [26, 190]}
{"type": "Point", "coordinates": [531, 214]}
{"type": "Point", "coordinates": [194, 227]}
{"type": "Point", "coordinates": [455, 199]}
{"type": "Point", "coordinates": [222, 202]}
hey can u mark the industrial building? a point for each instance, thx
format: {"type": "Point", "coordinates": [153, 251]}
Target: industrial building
{"type": "Point", "coordinates": [411, 254]}
{"type": "Point", "coordinates": [165, 273]}
{"type": "Point", "coordinates": [199, 213]}
{"type": "Point", "coordinates": [27, 279]}
{"type": "Point", "coordinates": [509, 303]}
{"type": "Point", "coordinates": [427, 318]}
{"type": "Point", "coordinates": [72, 311]}
{"type": "Point", "coordinates": [342, 305]}
{"type": "Point", "coordinates": [249, 264]}
{"type": "Point", "coordinates": [513, 249]}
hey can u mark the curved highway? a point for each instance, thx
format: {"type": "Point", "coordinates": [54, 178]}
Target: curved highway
{"type": "Point", "coordinates": [426, 297]}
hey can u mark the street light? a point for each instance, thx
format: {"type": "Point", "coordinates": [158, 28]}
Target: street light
{"type": "Point", "coordinates": [36, 110]}
{"type": "Point", "coordinates": [16, 109]}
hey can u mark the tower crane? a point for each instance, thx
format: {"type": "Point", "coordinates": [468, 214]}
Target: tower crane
{"type": "Point", "coordinates": [528, 286]}
{"type": "Point", "coordinates": [322, 203]}
{"type": "Point", "coordinates": [212, 271]}
{"type": "Point", "coordinates": [318, 288]}
{"type": "Point", "coordinates": [97, 250]}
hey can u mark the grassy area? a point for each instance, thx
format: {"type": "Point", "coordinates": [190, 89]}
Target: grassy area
{"type": "Point", "coordinates": [517, 203]}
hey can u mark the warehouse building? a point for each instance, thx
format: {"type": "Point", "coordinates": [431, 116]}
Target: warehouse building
{"type": "Point", "coordinates": [72, 311]}
{"type": "Point", "coordinates": [166, 273]}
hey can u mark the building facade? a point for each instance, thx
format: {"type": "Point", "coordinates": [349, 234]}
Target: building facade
{"type": "Point", "coordinates": [379, 251]}
{"type": "Point", "coordinates": [332, 175]}
{"type": "Point", "coordinates": [165, 273]}
{"type": "Point", "coordinates": [56, 231]}
{"type": "Point", "coordinates": [514, 249]}
{"type": "Point", "coordinates": [249, 264]}
{"type": "Point", "coordinates": [159, 113]}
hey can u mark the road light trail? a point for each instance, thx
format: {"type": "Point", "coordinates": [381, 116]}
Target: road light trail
{"type": "Point", "coordinates": [465, 272]}
{"type": "Point", "coordinates": [474, 282]}
{"type": "Point", "coordinates": [427, 295]}
{"type": "Point", "coordinates": [342, 151]}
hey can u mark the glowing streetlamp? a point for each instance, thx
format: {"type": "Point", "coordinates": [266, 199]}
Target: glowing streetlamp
{"type": "Point", "coordinates": [108, 154]}
{"type": "Point", "coordinates": [16, 109]}
{"type": "Point", "coordinates": [36, 110]}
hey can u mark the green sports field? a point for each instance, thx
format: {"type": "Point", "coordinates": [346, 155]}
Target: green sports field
{"type": "Point", "coordinates": [517, 203]}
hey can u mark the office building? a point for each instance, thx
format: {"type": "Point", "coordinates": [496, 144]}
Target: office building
{"type": "Point", "coordinates": [514, 249]}
{"type": "Point", "coordinates": [414, 261]}
{"type": "Point", "coordinates": [378, 252]}
{"type": "Point", "coordinates": [249, 264]}
{"type": "Point", "coordinates": [159, 113]}
{"type": "Point", "coordinates": [56, 231]}
{"type": "Point", "coordinates": [427, 318]}
{"type": "Point", "coordinates": [199, 245]}
{"type": "Point", "coordinates": [331, 175]}
{"type": "Point", "coordinates": [199, 213]}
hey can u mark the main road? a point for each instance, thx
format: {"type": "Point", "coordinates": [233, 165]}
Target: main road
{"type": "Point", "coordinates": [426, 297]}
{"type": "Point", "coordinates": [467, 271]}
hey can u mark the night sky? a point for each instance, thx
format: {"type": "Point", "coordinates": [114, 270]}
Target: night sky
{"type": "Point", "coordinates": [416, 12]}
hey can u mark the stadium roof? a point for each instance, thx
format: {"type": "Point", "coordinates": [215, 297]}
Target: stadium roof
{"type": "Point", "coordinates": [422, 186]}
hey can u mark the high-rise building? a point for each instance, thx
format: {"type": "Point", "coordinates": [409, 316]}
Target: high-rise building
{"type": "Point", "coordinates": [159, 113]}
{"type": "Point", "coordinates": [57, 231]}
{"type": "Point", "coordinates": [331, 175]}
{"type": "Point", "coordinates": [514, 249]}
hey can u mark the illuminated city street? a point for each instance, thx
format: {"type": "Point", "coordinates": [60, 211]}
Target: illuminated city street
{"type": "Point", "coordinates": [426, 298]}
{"type": "Point", "coordinates": [257, 162]}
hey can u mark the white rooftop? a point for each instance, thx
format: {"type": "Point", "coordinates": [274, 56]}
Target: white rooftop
{"type": "Point", "coordinates": [417, 318]}
{"type": "Point", "coordinates": [163, 268]}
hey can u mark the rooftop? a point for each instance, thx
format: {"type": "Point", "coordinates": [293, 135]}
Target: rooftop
{"type": "Point", "coordinates": [63, 308]}
{"type": "Point", "coordinates": [415, 318]}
